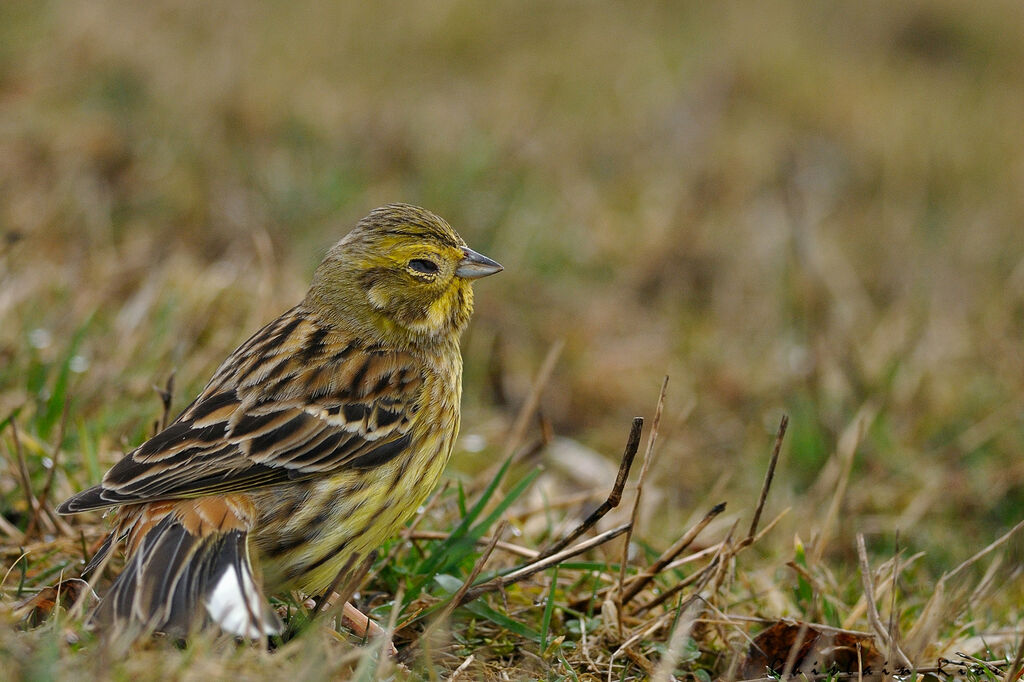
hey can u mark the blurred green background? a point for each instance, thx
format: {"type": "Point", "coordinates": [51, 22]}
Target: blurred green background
{"type": "Point", "coordinates": [811, 208]}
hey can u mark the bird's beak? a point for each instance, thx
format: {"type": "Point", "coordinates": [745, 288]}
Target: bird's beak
{"type": "Point", "coordinates": [475, 265]}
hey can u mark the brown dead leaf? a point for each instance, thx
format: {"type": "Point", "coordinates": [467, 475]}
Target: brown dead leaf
{"type": "Point", "coordinates": [35, 610]}
{"type": "Point", "coordinates": [819, 651]}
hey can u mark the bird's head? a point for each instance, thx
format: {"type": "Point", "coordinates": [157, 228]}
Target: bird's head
{"type": "Point", "coordinates": [403, 274]}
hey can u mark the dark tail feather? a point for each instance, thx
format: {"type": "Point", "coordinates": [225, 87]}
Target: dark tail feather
{"type": "Point", "coordinates": [176, 583]}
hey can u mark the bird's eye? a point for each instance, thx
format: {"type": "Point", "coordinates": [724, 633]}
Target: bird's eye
{"type": "Point", "coordinates": [427, 267]}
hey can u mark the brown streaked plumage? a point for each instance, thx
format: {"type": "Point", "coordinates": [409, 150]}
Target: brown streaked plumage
{"type": "Point", "coordinates": [311, 444]}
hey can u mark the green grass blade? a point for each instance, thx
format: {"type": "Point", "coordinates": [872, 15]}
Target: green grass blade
{"type": "Point", "coordinates": [549, 608]}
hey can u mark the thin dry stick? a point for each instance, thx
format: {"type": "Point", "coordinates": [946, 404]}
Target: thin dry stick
{"type": "Point", "coordinates": [518, 431]}
{"type": "Point", "coordinates": [977, 661]}
{"type": "Point", "coordinates": [681, 585]}
{"type": "Point", "coordinates": [682, 629]}
{"type": "Point", "coordinates": [94, 579]}
{"type": "Point", "coordinates": [529, 569]}
{"type": "Point", "coordinates": [24, 553]}
{"type": "Point", "coordinates": [710, 550]}
{"type": "Point", "coordinates": [1014, 670]}
{"type": "Point", "coordinates": [585, 648]}
{"type": "Point", "coordinates": [658, 623]}
{"type": "Point", "coordinates": [858, 609]}
{"type": "Point", "coordinates": [354, 581]}
{"type": "Point", "coordinates": [767, 529]}
{"type": "Point", "coordinates": [932, 613]}
{"type": "Point", "coordinates": [54, 458]}
{"type": "Point", "coordinates": [794, 651]}
{"type": "Point", "coordinates": [893, 621]}
{"type": "Point", "coordinates": [388, 643]}
{"type": "Point", "coordinates": [460, 594]}
{"type": "Point", "coordinates": [713, 569]}
{"type": "Point", "coordinates": [988, 580]}
{"type": "Point", "coordinates": [728, 555]}
{"type": "Point", "coordinates": [632, 445]}
{"type": "Point", "coordinates": [341, 574]}
{"type": "Point", "coordinates": [638, 582]}
{"type": "Point", "coordinates": [769, 475]}
{"type": "Point", "coordinates": [518, 550]}
{"type": "Point", "coordinates": [817, 626]}
{"type": "Point", "coordinates": [635, 512]}
{"type": "Point", "coordinates": [1003, 538]}
{"type": "Point", "coordinates": [869, 598]}
{"type": "Point", "coordinates": [663, 619]}
{"type": "Point", "coordinates": [52, 522]}
{"type": "Point", "coordinates": [22, 467]}
{"type": "Point", "coordinates": [462, 667]}
{"type": "Point", "coordinates": [563, 502]}
{"type": "Point", "coordinates": [727, 621]}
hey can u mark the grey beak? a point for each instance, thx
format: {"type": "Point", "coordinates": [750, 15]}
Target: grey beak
{"type": "Point", "coordinates": [475, 265]}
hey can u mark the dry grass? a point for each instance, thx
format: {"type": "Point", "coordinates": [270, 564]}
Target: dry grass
{"type": "Point", "coordinates": [805, 209]}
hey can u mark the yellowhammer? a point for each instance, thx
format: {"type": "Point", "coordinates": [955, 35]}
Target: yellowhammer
{"type": "Point", "coordinates": [312, 444]}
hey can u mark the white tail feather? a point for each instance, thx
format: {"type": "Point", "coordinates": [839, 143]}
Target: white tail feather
{"type": "Point", "coordinates": [236, 605]}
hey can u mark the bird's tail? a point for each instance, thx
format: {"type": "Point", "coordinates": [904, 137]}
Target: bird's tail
{"type": "Point", "coordinates": [181, 574]}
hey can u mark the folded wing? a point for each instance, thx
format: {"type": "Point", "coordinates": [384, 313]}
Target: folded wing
{"type": "Point", "coordinates": [296, 401]}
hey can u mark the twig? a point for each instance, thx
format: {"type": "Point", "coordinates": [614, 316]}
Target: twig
{"type": "Point", "coordinates": [535, 567]}
{"type": "Point", "coordinates": [388, 644]}
{"type": "Point", "coordinates": [518, 550]}
{"type": "Point", "coordinates": [893, 621]}
{"type": "Point", "coordinates": [1003, 538]}
{"type": "Point", "coordinates": [869, 598]}
{"type": "Point", "coordinates": [460, 594]}
{"type": "Point", "coordinates": [728, 555]}
{"type": "Point", "coordinates": [727, 620]}
{"type": "Point", "coordinates": [682, 629]}
{"type": "Point", "coordinates": [790, 621]}
{"type": "Point", "coordinates": [1013, 672]}
{"type": "Point", "coordinates": [341, 575]}
{"type": "Point", "coordinates": [632, 445]}
{"type": "Point", "coordinates": [710, 550]}
{"type": "Point", "coordinates": [977, 661]}
{"type": "Point", "coordinates": [94, 578]}
{"type": "Point", "coordinates": [26, 480]}
{"type": "Point", "coordinates": [45, 493]}
{"type": "Point", "coordinates": [635, 512]}
{"type": "Point", "coordinates": [794, 651]}
{"type": "Point", "coordinates": [24, 553]}
{"type": "Point", "coordinates": [462, 667]}
{"type": "Point", "coordinates": [659, 623]}
{"type": "Point", "coordinates": [681, 585]}
{"type": "Point", "coordinates": [355, 580]}
{"type": "Point", "coordinates": [661, 620]}
{"type": "Point", "coordinates": [640, 581]}
{"type": "Point", "coordinates": [769, 475]}
{"type": "Point", "coordinates": [720, 559]}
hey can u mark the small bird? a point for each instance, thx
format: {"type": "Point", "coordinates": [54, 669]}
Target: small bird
{"type": "Point", "coordinates": [310, 446]}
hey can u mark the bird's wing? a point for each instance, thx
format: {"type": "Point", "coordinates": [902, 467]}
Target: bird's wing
{"type": "Point", "coordinates": [295, 401]}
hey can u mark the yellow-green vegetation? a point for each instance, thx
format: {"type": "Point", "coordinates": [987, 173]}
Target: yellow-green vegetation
{"type": "Point", "coordinates": [788, 208]}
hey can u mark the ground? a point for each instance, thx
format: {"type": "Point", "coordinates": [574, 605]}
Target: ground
{"type": "Point", "coordinates": [810, 210]}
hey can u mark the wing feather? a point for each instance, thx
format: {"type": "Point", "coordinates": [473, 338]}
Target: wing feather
{"type": "Point", "coordinates": [297, 400]}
